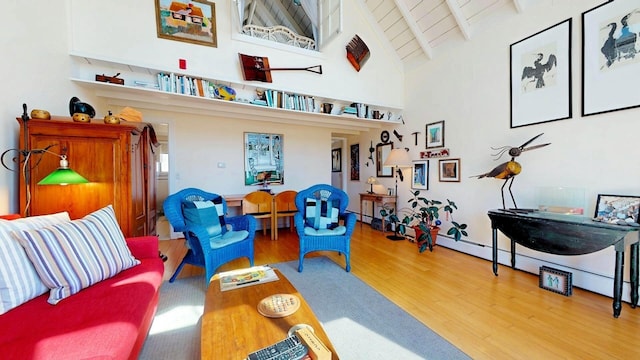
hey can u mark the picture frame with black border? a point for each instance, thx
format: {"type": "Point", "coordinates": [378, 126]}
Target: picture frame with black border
{"type": "Point", "coordinates": [449, 170]}
{"type": "Point", "coordinates": [434, 135]}
{"type": "Point", "coordinates": [555, 280]}
{"type": "Point", "coordinates": [336, 160]}
{"type": "Point", "coordinates": [617, 209]}
{"type": "Point", "coordinates": [610, 57]}
{"type": "Point", "coordinates": [540, 76]}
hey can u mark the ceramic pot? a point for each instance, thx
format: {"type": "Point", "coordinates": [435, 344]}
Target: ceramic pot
{"type": "Point", "coordinates": [81, 117]}
{"type": "Point", "coordinates": [40, 114]}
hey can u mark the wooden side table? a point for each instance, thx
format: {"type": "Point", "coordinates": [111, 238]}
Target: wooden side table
{"type": "Point", "coordinates": [379, 199]}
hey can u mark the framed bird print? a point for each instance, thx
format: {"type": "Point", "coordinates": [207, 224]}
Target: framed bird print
{"type": "Point", "coordinates": [541, 76]}
{"type": "Point", "coordinates": [611, 57]}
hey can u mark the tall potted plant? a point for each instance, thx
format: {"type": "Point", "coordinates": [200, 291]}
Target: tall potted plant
{"type": "Point", "coordinates": [425, 220]}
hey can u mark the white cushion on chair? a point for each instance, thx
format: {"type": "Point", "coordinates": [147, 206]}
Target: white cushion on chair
{"type": "Point", "coordinates": [340, 230]}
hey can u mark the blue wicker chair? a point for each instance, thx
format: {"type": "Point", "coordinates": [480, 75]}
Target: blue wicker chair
{"type": "Point", "coordinates": [317, 229]}
{"type": "Point", "coordinates": [204, 251]}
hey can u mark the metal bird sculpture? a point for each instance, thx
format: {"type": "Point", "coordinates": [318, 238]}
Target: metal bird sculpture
{"type": "Point", "coordinates": [511, 168]}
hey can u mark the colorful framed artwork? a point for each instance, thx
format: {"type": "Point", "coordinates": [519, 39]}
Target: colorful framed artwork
{"type": "Point", "coordinates": [541, 76]}
{"type": "Point", "coordinates": [449, 170]}
{"type": "Point", "coordinates": [435, 135]}
{"type": "Point", "coordinates": [263, 159]}
{"type": "Point", "coordinates": [617, 209]}
{"type": "Point", "coordinates": [610, 57]}
{"type": "Point", "coordinates": [555, 280]}
{"type": "Point", "coordinates": [355, 162]}
{"type": "Point", "coordinates": [189, 21]}
{"type": "Point", "coordinates": [336, 160]}
{"type": "Point", "coordinates": [420, 175]}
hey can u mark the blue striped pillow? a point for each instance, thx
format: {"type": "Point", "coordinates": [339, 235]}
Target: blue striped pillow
{"type": "Point", "coordinates": [19, 281]}
{"type": "Point", "coordinates": [74, 255]}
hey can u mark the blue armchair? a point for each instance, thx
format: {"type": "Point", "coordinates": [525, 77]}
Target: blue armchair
{"type": "Point", "coordinates": [320, 209]}
{"type": "Point", "coordinates": [210, 243]}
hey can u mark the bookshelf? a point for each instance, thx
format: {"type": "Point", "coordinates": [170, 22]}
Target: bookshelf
{"type": "Point", "coordinates": [140, 91]}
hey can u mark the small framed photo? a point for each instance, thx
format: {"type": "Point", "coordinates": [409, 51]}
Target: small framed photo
{"type": "Point", "coordinates": [617, 209]}
{"type": "Point", "coordinates": [555, 280]}
{"type": "Point", "coordinates": [435, 135]}
{"type": "Point", "coordinates": [449, 170]}
{"type": "Point", "coordinates": [191, 21]}
{"type": "Point", "coordinates": [336, 160]}
{"type": "Point", "coordinates": [420, 175]}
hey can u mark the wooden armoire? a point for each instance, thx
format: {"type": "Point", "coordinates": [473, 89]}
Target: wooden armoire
{"type": "Point", "coordinates": [117, 159]}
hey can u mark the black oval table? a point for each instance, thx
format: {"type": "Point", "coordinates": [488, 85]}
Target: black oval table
{"type": "Point", "coordinates": [561, 234]}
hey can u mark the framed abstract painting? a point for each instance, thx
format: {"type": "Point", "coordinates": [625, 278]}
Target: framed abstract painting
{"type": "Point", "coordinates": [541, 76]}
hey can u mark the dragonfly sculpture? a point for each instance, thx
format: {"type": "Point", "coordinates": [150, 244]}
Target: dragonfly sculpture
{"type": "Point", "coordinates": [508, 170]}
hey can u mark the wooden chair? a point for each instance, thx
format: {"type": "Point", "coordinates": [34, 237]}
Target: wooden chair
{"type": "Point", "coordinates": [284, 206]}
{"type": "Point", "coordinates": [259, 204]}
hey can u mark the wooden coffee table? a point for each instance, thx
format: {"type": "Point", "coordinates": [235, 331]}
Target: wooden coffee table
{"type": "Point", "coordinates": [232, 327]}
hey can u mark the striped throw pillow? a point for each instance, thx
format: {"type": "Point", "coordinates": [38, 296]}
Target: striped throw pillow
{"type": "Point", "coordinates": [74, 255]}
{"type": "Point", "coordinates": [19, 281]}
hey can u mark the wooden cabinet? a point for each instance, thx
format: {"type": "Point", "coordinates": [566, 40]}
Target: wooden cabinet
{"type": "Point", "coordinates": [118, 161]}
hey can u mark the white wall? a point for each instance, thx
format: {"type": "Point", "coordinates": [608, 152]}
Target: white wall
{"type": "Point", "coordinates": [468, 87]}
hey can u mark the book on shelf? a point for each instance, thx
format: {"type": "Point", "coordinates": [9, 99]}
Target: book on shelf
{"type": "Point", "coordinates": [236, 279]}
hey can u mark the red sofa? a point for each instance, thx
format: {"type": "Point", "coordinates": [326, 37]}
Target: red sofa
{"type": "Point", "coordinates": [108, 320]}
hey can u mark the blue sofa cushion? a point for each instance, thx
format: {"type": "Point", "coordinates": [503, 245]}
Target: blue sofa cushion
{"type": "Point", "coordinates": [321, 214]}
{"type": "Point", "coordinates": [209, 214]}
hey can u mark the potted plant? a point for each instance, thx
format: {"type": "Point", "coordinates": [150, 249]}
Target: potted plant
{"type": "Point", "coordinates": [424, 218]}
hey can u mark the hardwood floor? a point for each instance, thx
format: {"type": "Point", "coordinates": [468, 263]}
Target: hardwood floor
{"type": "Point", "coordinates": [457, 296]}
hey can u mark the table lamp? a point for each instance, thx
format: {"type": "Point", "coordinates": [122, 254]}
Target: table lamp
{"type": "Point", "coordinates": [398, 158]}
{"type": "Point", "coordinates": [371, 180]}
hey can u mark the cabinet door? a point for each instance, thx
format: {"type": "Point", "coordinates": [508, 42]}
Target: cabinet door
{"type": "Point", "coordinates": [138, 192]}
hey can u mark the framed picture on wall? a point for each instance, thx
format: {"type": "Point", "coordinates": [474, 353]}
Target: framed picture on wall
{"type": "Point", "coordinates": [355, 162]}
{"type": "Point", "coordinates": [420, 175]}
{"type": "Point", "coordinates": [541, 76]}
{"type": "Point", "coordinates": [435, 135]}
{"type": "Point", "coordinates": [191, 21]}
{"type": "Point", "coordinates": [449, 170]}
{"type": "Point", "coordinates": [610, 57]}
{"type": "Point", "coordinates": [263, 159]}
{"type": "Point", "coordinates": [336, 160]}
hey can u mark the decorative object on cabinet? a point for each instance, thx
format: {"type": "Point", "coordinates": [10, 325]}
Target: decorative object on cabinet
{"type": "Point", "coordinates": [420, 175]}
{"type": "Point", "coordinates": [540, 75]}
{"type": "Point", "coordinates": [610, 57]}
{"type": "Point", "coordinates": [508, 170]}
{"type": "Point", "coordinates": [425, 219]}
{"type": "Point", "coordinates": [444, 152]}
{"type": "Point", "coordinates": [40, 114]}
{"type": "Point", "coordinates": [118, 160]}
{"type": "Point", "coordinates": [111, 119]}
{"type": "Point", "coordinates": [130, 114]}
{"type": "Point", "coordinates": [256, 68]}
{"type": "Point", "coordinates": [355, 162]}
{"type": "Point", "coordinates": [384, 136]}
{"type": "Point", "coordinates": [397, 159]}
{"type": "Point", "coordinates": [357, 52]}
{"type": "Point", "coordinates": [435, 135]}
{"type": "Point", "coordinates": [263, 153]}
{"type": "Point", "coordinates": [336, 160]}
{"type": "Point", "coordinates": [398, 135]}
{"type": "Point", "coordinates": [382, 152]}
{"type": "Point", "coordinates": [81, 118]}
{"type": "Point", "coordinates": [193, 22]}
{"type": "Point", "coordinates": [78, 107]}
{"type": "Point", "coordinates": [110, 79]}
{"type": "Point", "coordinates": [617, 209]}
{"type": "Point", "coordinates": [371, 181]}
{"type": "Point", "coordinates": [555, 280]}
{"type": "Point", "coordinates": [449, 170]}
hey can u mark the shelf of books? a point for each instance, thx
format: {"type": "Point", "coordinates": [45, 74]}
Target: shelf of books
{"type": "Point", "coordinates": [166, 91]}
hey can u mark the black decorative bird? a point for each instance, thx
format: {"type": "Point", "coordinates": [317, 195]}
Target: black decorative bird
{"type": "Point", "coordinates": [511, 168]}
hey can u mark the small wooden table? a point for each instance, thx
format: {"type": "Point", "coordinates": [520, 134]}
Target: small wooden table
{"type": "Point", "coordinates": [232, 326]}
{"type": "Point", "coordinates": [380, 199]}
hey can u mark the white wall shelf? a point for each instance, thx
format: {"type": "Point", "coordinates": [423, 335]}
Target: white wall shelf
{"type": "Point", "coordinates": [153, 98]}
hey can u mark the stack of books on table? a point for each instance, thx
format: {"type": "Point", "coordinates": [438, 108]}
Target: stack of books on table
{"type": "Point", "coordinates": [236, 279]}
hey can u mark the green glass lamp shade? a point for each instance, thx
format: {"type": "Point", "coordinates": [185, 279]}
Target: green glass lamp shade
{"type": "Point", "coordinates": [63, 175]}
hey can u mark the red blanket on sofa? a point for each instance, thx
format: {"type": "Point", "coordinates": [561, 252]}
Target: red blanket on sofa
{"type": "Point", "coordinates": [109, 320]}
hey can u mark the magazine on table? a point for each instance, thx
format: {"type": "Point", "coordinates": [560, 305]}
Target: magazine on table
{"type": "Point", "coordinates": [236, 279]}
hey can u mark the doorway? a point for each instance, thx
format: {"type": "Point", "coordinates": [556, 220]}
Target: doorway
{"type": "Point", "coordinates": [339, 178]}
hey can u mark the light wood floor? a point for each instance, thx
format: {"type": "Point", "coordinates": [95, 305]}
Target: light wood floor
{"type": "Point", "coordinates": [457, 296]}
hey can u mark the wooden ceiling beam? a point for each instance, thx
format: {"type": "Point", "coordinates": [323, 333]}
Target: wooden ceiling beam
{"type": "Point", "coordinates": [413, 26]}
{"type": "Point", "coordinates": [461, 21]}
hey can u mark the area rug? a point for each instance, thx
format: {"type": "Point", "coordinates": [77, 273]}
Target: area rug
{"type": "Point", "coordinates": [360, 322]}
